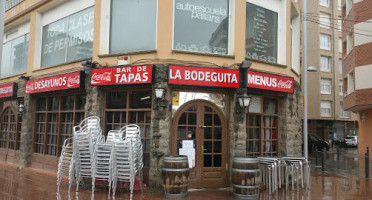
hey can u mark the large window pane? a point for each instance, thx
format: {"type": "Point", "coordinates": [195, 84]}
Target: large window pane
{"type": "Point", "coordinates": [201, 26]}
{"type": "Point", "coordinates": [14, 56]}
{"type": "Point", "coordinates": [133, 25]}
{"type": "Point", "coordinates": [261, 34]}
{"type": "Point", "coordinates": [68, 39]}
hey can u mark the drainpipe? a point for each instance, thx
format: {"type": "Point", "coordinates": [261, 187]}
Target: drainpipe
{"type": "Point", "coordinates": [334, 62]}
{"type": "Point", "coordinates": [2, 21]}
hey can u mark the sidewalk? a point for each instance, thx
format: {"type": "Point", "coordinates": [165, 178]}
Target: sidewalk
{"type": "Point", "coordinates": [15, 184]}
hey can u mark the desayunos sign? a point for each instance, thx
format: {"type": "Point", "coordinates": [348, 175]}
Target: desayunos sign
{"type": "Point", "coordinates": [181, 75]}
{"type": "Point", "coordinates": [122, 75]}
{"type": "Point", "coordinates": [60, 82]}
{"type": "Point", "coordinates": [7, 90]}
{"type": "Point", "coordinates": [269, 82]}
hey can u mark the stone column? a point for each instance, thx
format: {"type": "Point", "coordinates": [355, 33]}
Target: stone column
{"type": "Point", "coordinates": [290, 124]}
{"type": "Point", "coordinates": [160, 125]}
{"type": "Point", "coordinates": [27, 124]}
{"type": "Point", "coordinates": [94, 98]}
{"type": "Point", "coordinates": [237, 125]}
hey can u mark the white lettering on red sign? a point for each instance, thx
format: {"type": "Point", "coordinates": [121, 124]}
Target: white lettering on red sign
{"type": "Point", "coordinates": [203, 76]}
{"type": "Point", "coordinates": [6, 90]}
{"type": "Point", "coordinates": [270, 82]}
{"type": "Point", "coordinates": [122, 75]}
{"type": "Point", "coordinates": [60, 82]}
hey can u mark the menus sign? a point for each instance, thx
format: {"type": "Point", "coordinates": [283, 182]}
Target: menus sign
{"type": "Point", "coordinates": [215, 77]}
{"type": "Point", "coordinates": [261, 34]}
{"type": "Point", "coordinates": [122, 75]}
{"type": "Point", "coordinates": [8, 90]}
{"type": "Point", "coordinates": [269, 82]}
{"type": "Point", "coordinates": [60, 82]}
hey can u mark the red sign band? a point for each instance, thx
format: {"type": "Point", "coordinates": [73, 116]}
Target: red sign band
{"type": "Point", "coordinates": [181, 75]}
{"type": "Point", "coordinates": [122, 75]}
{"type": "Point", "coordinates": [269, 82]}
{"type": "Point", "coordinates": [60, 82]}
{"type": "Point", "coordinates": [7, 90]}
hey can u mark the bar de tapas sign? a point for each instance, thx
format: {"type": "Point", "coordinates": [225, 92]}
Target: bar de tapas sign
{"type": "Point", "coordinates": [60, 82]}
{"type": "Point", "coordinates": [269, 82]}
{"type": "Point", "coordinates": [122, 75]}
{"type": "Point", "coordinates": [7, 90]}
{"type": "Point", "coordinates": [182, 75]}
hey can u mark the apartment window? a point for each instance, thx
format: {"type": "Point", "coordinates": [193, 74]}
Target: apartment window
{"type": "Point", "coordinates": [14, 56]}
{"type": "Point", "coordinates": [262, 127]}
{"type": "Point", "coordinates": [343, 113]}
{"type": "Point", "coordinates": [11, 3]}
{"type": "Point", "coordinates": [201, 26]}
{"type": "Point", "coordinates": [325, 20]}
{"type": "Point", "coordinates": [325, 63]}
{"type": "Point", "coordinates": [350, 83]}
{"type": "Point", "coordinates": [339, 45]}
{"type": "Point", "coordinates": [261, 33]}
{"type": "Point", "coordinates": [325, 86]}
{"type": "Point", "coordinates": [340, 66]}
{"type": "Point", "coordinates": [349, 4]}
{"type": "Point", "coordinates": [68, 39]}
{"type": "Point", "coordinates": [325, 42]}
{"type": "Point", "coordinates": [340, 88]}
{"type": "Point", "coordinates": [339, 4]}
{"type": "Point", "coordinates": [55, 117]}
{"type": "Point", "coordinates": [133, 25]}
{"type": "Point", "coordinates": [324, 3]}
{"type": "Point", "coordinates": [325, 108]}
{"type": "Point", "coordinates": [349, 43]}
{"type": "Point", "coordinates": [339, 24]}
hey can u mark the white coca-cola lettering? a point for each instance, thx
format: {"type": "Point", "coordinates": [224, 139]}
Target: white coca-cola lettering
{"type": "Point", "coordinates": [73, 81]}
{"type": "Point", "coordinates": [30, 87]}
{"type": "Point", "coordinates": [286, 84]}
{"type": "Point", "coordinates": [7, 89]}
{"type": "Point", "coordinates": [104, 77]}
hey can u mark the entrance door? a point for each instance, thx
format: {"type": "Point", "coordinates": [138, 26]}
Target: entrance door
{"type": "Point", "coordinates": [9, 136]}
{"type": "Point", "coordinates": [203, 123]}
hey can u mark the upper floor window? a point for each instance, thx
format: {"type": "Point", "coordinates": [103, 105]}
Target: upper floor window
{"type": "Point", "coordinates": [325, 63]}
{"type": "Point", "coordinates": [324, 3]}
{"type": "Point", "coordinates": [340, 88]}
{"type": "Point", "coordinates": [201, 26]}
{"type": "Point", "coordinates": [11, 3]}
{"type": "Point", "coordinates": [325, 20]}
{"type": "Point", "coordinates": [340, 66]}
{"type": "Point", "coordinates": [14, 56]}
{"type": "Point", "coordinates": [133, 25]}
{"type": "Point", "coordinates": [325, 42]}
{"type": "Point", "coordinates": [261, 34]}
{"type": "Point", "coordinates": [325, 86]}
{"type": "Point", "coordinates": [68, 39]}
{"type": "Point", "coordinates": [339, 45]}
{"type": "Point", "coordinates": [325, 108]}
{"type": "Point", "coordinates": [350, 83]}
{"type": "Point", "coordinates": [339, 4]}
{"type": "Point", "coordinates": [349, 43]}
{"type": "Point", "coordinates": [349, 5]}
{"type": "Point", "coordinates": [344, 113]}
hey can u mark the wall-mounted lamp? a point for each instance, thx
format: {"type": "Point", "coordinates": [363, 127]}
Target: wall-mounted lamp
{"type": "Point", "coordinates": [244, 101]}
{"type": "Point", "coordinates": [90, 64]}
{"type": "Point", "coordinates": [159, 93]}
{"type": "Point", "coordinates": [21, 108]}
{"type": "Point", "coordinates": [24, 78]}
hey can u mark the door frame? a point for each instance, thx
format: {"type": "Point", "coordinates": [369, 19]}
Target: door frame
{"type": "Point", "coordinates": [225, 128]}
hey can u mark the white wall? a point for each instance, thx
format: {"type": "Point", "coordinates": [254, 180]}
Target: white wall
{"type": "Point", "coordinates": [364, 80]}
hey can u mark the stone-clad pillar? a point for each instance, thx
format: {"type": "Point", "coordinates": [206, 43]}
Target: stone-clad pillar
{"type": "Point", "coordinates": [160, 125]}
{"type": "Point", "coordinates": [290, 124]}
{"type": "Point", "coordinates": [237, 126]}
{"type": "Point", "coordinates": [94, 98]}
{"type": "Point", "coordinates": [27, 124]}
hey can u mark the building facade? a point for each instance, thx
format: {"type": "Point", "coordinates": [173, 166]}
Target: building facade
{"type": "Point", "coordinates": [326, 115]}
{"type": "Point", "coordinates": [71, 59]}
{"type": "Point", "coordinates": [357, 65]}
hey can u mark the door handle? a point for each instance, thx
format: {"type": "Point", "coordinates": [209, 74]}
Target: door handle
{"type": "Point", "coordinates": [202, 126]}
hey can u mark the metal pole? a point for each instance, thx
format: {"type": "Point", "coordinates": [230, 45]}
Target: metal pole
{"type": "Point", "coordinates": [323, 157]}
{"type": "Point", "coordinates": [2, 20]}
{"type": "Point", "coordinates": [304, 45]}
{"type": "Point", "coordinates": [366, 159]}
{"type": "Point", "coordinates": [338, 152]}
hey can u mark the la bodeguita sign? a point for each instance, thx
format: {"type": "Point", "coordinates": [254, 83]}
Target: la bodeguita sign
{"type": "Point", "coordinates": [60, 82]}
{"type": "Point", "coordinates": [7, 90]}
{"type": "Point", "coordinates": [269, 82]}
{"type": "Point", "coordinates": [122, 75]}
{"type": "Point", "coordinates": [181, 75]}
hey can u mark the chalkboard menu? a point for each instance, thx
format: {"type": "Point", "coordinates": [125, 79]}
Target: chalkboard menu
{"type": "Point", "coordinates": [261, 34]}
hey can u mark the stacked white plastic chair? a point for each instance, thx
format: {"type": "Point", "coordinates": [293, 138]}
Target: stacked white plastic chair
{"type": "Point", "coordinates": [64, 161]}
{"type": "Point", "coordinates": [297, 168]}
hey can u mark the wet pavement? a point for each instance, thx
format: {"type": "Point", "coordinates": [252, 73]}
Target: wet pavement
{"type": "Point", "coordinates": [341, 180]}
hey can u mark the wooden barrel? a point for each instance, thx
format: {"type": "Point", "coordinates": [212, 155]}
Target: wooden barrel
{"type": "Point", "coordinates": [246, 177]}
{"type": "Point", "coordinates": [175, 176]}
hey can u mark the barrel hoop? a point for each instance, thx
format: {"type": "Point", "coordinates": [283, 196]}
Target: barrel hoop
{"type": "Point", "coordinates": [175, 161]}
{"type": "Point", "coordinates": [247, 186]}
{"type": "Point", "coordinates": [176, 158]}
{"type": "Point", "coordinates": [246, 160]}
{"type": "Point", "coordinates": [181, 195]}
{"type": "Point", "coordinates": [245, 170]}
{"type": "Point", "coordinates": [175, 170]}
{"type": "Point", "coordinates": [242, 196]}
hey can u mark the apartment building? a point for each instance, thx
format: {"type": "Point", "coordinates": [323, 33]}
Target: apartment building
{"type": "Point", "coordinates": [357, 65]}
{"type": "Point", "coordinates": [326, 115]}
{"type": "Point", "coordinates": [177, 68]}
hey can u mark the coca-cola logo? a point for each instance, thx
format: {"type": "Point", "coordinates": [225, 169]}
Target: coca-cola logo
{"type": "Point", "coordinates": [30, 87]}
{"type": "Point", "coordinates": [73, 81]}
{"type": "Point", "coordinates": [286, 84]}
{"type": "Point", "coordinates": [104, 77]}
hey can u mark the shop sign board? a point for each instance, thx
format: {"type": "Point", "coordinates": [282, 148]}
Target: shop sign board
{"type": "Point", "coordinates": [122, 75]}
{"type": "Point", "coordinates": [60, 82]}
{"type": "Point", "coordinates": [8, 90]}
{"type": "Point", "coordinates": [267, 81]}
{"type": "Point", "coordinates": [215, 77]}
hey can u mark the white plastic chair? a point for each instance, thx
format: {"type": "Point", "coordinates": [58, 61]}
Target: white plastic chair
{"type": "Point", "coordinates": [64, 161]}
